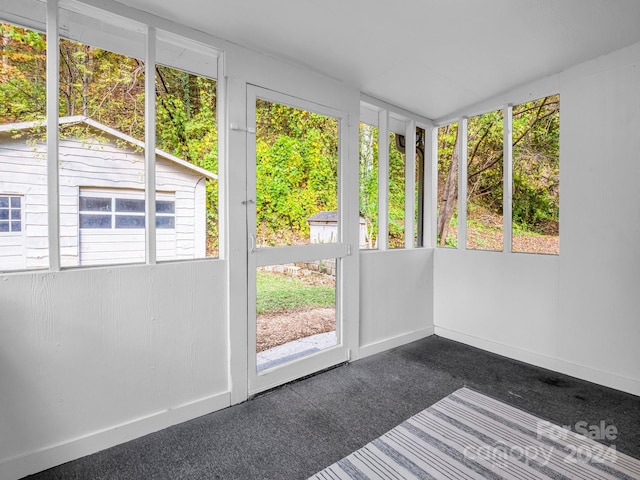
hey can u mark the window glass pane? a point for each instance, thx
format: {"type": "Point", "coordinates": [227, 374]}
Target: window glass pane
{"type": "Point", "coordinates": [23, 153]}
{"type": "Point", "coordinates": [95, 204]}
{"type": "Point", "coordinates": [448, 150]}
{"type": "Point", "coordinates": [129, 221]}
{"type": "Point", "coordinates": [485, 181]}
{"type": "Point", "coordinates": [108, 89]}
{"type": "Point", "coordinates": [129, 205]}
{"type": "Point", "coordinates": [186, 127]}
{"type": "Point", "coordinates": [418, 221]}
{"type": "Point", "coordinates": [368, 186]}
{"type": "Point", "coordinates": [296, 176]}
{"type": "Point", "coordinates": [397, 167]}
{"type": "Point", "coordinates": [95, 221]}
{"type": "Point", "coordinates": [165, 206]}
{"type": "Point", "coordinates": [165, 222]}
{"type": "Point", "coordinates": [536, 176]}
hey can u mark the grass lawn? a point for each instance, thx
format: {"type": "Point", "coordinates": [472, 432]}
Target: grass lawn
{"type": "Point", "coordinates": [279, 293]}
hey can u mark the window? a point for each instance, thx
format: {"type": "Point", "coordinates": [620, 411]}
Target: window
{"type": "Point", "coordinates": [397, 173]}
{"type": "Point", "coordinates": [485, 181]}
{"type": "Point", "coordinates": [10, 213]}
{"type": "Point", "coordinates": [418, 219]}
{"type": "Point", "coordinates": [186, 129]}
{"type": "Point", "coordinates": [448, 151]}
{"type": "Point", "coordinates": [532, 172]}
{"type": "Point", "coordinates": [122, 213]}
{"type": "Point", "coordinates": [536, 176]}
{"type": "Point", "coordinates": [368, 184]}
{"type": "Point", "coordinates": [23, 150]}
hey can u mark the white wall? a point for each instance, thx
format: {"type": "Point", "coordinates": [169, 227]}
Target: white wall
{"type": "Point", "coordinates": [396, 298]}
{"type": "Point", "coordinates": [599, 309]}
{"type": "Point", "coordinates": [577, 313]}
{"type": "Point", "coordinates": [94, 357]}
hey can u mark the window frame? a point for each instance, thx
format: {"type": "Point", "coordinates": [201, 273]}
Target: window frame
{"type": "Point", "coordinates": [10, 220]}
{"type": "Point", "coordinates": [113, 213]}
{"type": "Point", "coordinates": [507, 205]}
{"type": "Point", "coordinates": [134, 33]}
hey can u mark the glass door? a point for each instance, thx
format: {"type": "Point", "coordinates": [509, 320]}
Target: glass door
{"type": "Point", "coordinates": [295, 238]}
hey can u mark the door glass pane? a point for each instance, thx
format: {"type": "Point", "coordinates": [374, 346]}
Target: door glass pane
{"type": "Point", "coordinates": [295, 311]}
{"type": "Point", "coordinates": [296, 176]}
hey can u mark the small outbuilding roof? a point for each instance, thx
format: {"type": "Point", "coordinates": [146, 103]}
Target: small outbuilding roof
{"type": "Point", "coordinates": [13, 127]}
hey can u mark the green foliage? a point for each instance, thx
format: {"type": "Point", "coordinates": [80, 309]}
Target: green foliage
{"type": "Point", "coordinates": [536, 164]}
{"type": "Point", "coordinates": [22, 74]}
{"type": "Point", "coordinates": [396, 194]}
{"type": "Point", "coordinates": [447, 136]}
{"type": "Point", "coordinates": [280, 293]}
{"type": "Point", "coordinates": [296, 169]}
{"type": "Point", "coordinates": [368, 184]}
{"type": "Point", "coordinates": [484, 165]}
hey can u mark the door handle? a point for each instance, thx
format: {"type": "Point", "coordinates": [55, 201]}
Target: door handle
{"type": "Point", "coordinates": [252, 243]}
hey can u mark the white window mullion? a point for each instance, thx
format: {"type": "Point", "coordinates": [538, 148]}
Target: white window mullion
{"type": "Point", "coordinates": [150, 146]}
{"type": "Point", "coordinates": [383, 180]}
{"type": "Point", "coordinates": [53, 66]}
{"type": "Point", "coordinates": [409, 182]}
{"type": "Point", "coordinates": [463, 135]}
{"type": "Point", "coordinates": [507, 172]}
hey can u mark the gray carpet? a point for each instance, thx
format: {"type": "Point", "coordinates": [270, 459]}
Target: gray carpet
{"type": "Point", "coordinates": [299, 429]}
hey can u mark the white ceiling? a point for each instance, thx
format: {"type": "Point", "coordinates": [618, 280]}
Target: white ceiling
{"type": "Point", "coordinates": [432, 57]}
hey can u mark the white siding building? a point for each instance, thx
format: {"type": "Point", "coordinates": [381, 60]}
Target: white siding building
{"type": "Point", "coordinates": [102, 203]}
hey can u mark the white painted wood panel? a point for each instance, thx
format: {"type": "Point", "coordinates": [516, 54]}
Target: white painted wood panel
{"type": "Point", "coordinates": [94, 352]}
{"type": "Point", "coordinates": [396, 298]}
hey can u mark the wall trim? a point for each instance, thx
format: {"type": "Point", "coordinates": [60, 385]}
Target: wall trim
{"type": "Point", "coordinates": [582, 372]}
{"type": "Point", "coordinates": [393, 342]}
{"type": "Point", "coordinates": [48, 457]}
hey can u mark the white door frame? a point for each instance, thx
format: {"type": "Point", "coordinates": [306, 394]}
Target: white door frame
{"type": "Point", "coordinates": [257, 256]}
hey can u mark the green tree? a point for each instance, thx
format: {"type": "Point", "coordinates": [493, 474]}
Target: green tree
{"type": "Point", "coordinates": [22, 74]}
{"type": "Point", "coordinates": [296, 170]}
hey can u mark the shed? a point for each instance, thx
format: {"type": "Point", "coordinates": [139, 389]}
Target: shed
{"type": "Point", "coordinates": [101, 181]}
{"type": "Point", "coordinates": [323, 228]}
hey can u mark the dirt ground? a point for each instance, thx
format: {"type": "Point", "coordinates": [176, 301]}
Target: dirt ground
{"type": "Point", "coordinates": [279, 328]}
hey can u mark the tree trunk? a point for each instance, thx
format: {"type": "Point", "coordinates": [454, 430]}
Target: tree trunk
{"type": "Point", "coordinates": [449, 196]}
{"type": "Point", "coordinates": [85, 80]}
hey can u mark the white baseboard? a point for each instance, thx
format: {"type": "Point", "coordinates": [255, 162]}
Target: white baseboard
{"type": "Point", "coordinates": [386, 344]}
{"type": "Point", "coordinates": [582, 372]}
{"type": "Point", "coordinates": [42, 459]}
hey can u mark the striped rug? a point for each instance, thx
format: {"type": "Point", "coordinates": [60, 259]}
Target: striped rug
{"type": "Point", "coordinates": [467, 435]}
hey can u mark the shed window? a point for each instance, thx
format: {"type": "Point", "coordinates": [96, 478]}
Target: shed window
{"type": "Point", "coordinates": [10, 213]}
{"type": "Point", "coordinates": [120, 212]}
